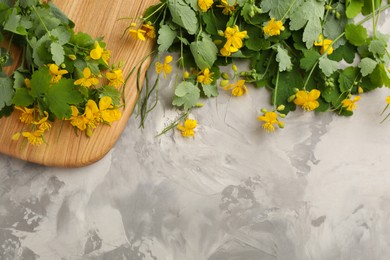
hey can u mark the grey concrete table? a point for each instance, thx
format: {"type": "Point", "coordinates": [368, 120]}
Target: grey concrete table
{"type": "Point", "coordinates": [318, 189]}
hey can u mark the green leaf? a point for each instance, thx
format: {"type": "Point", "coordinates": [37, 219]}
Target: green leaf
{"type": "Point", "coordinates": [332, 95]}
{"type": "Point", "coordinates": [83, 40]}
{"type": "Point", "coordinates": [367, 8]}
{"type": "Point", "coordinates": [13, 23]}
{"type": "Point", "coordinates": [183, 15]}
{"type": "Point", "coordinates": [210, 90]}
{"type": "Point", "coordinates": [347, 78]}
{"type": "Point", "coordinates": [62, 34]}
{"type": "Point", "coordinates": [328, 66]}
{"type": "Point", "coordinates": [60, 96]}
{"type": "Point", "coordinates": [354, 8]}
{"type": "Point", "coordinates": [256, 41]}
{"type": "Point", "coordinates": [284, 59]}
{"type": "Point", "coordinates": [40, 82]}
{"type": "Point", "coordinates": [22, 97]}
{"type": "Point", "coordinates": [377, 47]}
{"type": "Point", "coordinates": [57, 52]}
{"type": "Point", "coordinates": [18, 79]}
{"type": "Point", "coordinates": [204, 52]}
{"type": "Point", "coordinates": [186, 95]}
{"type": "Point", "coordinates": [277, 8]}
{"type": "Point", "coordinates": [6, 92]}
{"type": "Point", "coordinates": [380, 76]}
{"type": "Point", "coordinates": [356, 34]}
{"type": "Point", "coordinates": [345, 52]}
{"type": "Point", "coordinates": [309, 60]}
{"type": "Point", "coordinates": [334, 26]}
{"type": "Point", "coordinates": [111, 92]}
{"type": "Point", "coordinates": [367, 66]}
{"type": "Point", "coordinates": [60, 15]}
{"type": "Point", "coordinates": [166, 36]}
{"type": "Point", "coordinates": [308, 13]}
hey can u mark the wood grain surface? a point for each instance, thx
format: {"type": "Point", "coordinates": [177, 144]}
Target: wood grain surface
{"type": "Point", "coordinates": [65, 148]}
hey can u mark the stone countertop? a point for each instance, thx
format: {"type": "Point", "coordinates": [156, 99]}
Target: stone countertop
{"type": "Point", "coordinates": [318, 189]}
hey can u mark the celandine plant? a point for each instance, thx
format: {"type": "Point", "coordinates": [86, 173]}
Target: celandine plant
{"type": "Point", "coordinates": [294, 48]}
{"type": "Point", "coordinates": [62, 75]}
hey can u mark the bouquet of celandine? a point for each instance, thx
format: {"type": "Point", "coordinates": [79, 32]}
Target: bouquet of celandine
{"type": "Point", "coordinates": [294, 47]}
{"type": "Point", "coordinates": [62, 75]}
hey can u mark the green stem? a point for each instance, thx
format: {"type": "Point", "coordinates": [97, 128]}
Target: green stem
{"type": "Point", "coordinates": [276, 89]}
{"type": "Point", "coordinates": [289, 9]}
{"type": "Point", "coordinates": [158, 9]}
{"type": "Point", "coordinates": [373, 18]}
{"type": "Point", "coordinates": [40, 19]}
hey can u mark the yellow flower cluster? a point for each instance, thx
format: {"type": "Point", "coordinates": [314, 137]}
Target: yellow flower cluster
{"type": "Point", "coordinates": [100, 53]}
{"type": "Point", "coordinates": [270, 119]}
{"type": "Point", "coordinates": [94, 115]}
{"type": "Point", "coordinates": [141, 32]}
{"type": "Point", "coordinates": [349, 104]}
{"type": "Point", "coordinates": [307, 100]}
{"type": "Point", "coordinates": [205, 77]}
{"type": "Point", "coordinates": [227, 9]}
{"type": "Point", "coordinates": [165, 67]}
{"type": "Point", "coordinates": [234, 39]}
{"type": "Point", "coordinates": [187, 129]}
{"type": "Point", "coordinates": [325, 44]}
{"type": "Point", "coordinates": [238, 88]}
{"type": "Point", "coordinates": [272, 27]}
{"type": "Point", "coordinates": [205, 5]}
{"type": "Point", "coordinates": [38, 123]}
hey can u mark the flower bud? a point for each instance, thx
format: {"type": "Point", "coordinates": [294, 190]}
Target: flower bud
{"type": "Point", "coordinates": [217, 42]}
{"type": "Point", "coordinates": [221, 33]}
{"type": "Point", "coordinates": [291, 98]}
{"type": "Point", "coordinates": [281, 124]}
{"type": "Point", "coordinates": [225, 75]}
{"type": "Point", "coordinates": [338, 15]}
{"type": "Point", "coordinates": [63, 65]}
{"type": "Point", "coordinates": [72, 57]}
{"type": "Point", "coordinates": [199, 105]}
{"type": "Point", "coordinates": [282, 115]}
{"type": "Point", "coordinates": [234, 68]}
{"type": "Point", "coordinates": [360, 90]}
{"type": "Point", "coordinates": [224, 82]}
{"type": "Point", "coordinates": [280, 108]}
{"type": "Point", "coordinates": [296, 90]}
{"type": "Point", "coordinates": [16, 136]}
{"type": "Point", "coordinates": [186, 74]}
{"type": "Point", "coordinates": [264, 110]}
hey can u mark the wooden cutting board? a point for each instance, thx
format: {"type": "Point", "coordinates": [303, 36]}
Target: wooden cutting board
{"type": "Point", "coordinates": [65, 148]}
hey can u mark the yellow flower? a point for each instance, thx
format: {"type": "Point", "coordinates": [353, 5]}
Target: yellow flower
{"type": "Point", "coordinates": [325, 45]}
{"type": "Point", "coordinates": [77, 120]}
{"type": "Point", "coordinates": [115, 77]}
{"type": "Point", "coordinates": [308, 100]}
{"type": "Point", "coordinates": [270, 119]}
{"type": "Point", "coordinates": [204, 77]}
{"type": "Point", "coordinates": [205, 5]}
{"type": "Point", "coordinates": [239, 88]}
{"type": "Point", "coordinates": [388, 100]}
{"type": "Point", "coordinates": [56, 73]}
{"type": "Point", "coordinates": [42, 123]}
{"type": "Point", "coordinates": [106, 56]}
{"type": "Point", "coordinates": [234, 37]}
{"type": "Point", "coordinates": [88, 79]}
{"type": "Point", "coordinates": [97, 52]}
{"type": "Point", "coordinates": [227, 9]}
{"type": "Point", "coordinates": [273, 27]}
{"type": "Point", "coordinates": [187, 129]}
{"type": "Point", "coordinates": [34, 138]}
{"type": "Point", "coordinates": [107, 113]}
{"type": "Point", "coordinates": [137, 34]}
{"type": "Point", "coordinates": [350, 105]}
{"type": "Point", "coordinates": [165, 67]}
{"type": "Point", "coordinates": [27, 115]}
{"type": "Point", "coordinates": [149, 30]}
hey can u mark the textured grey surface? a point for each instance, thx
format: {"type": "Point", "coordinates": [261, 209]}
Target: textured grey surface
{"type": "Point", "coordinates": [318, 189]}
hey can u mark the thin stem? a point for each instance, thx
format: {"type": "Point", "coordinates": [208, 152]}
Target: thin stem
{"type": "Point", "coordinates": [373, 18]}
{"type": "Point", "coordinates": [289, 9]}
{"type": "Point", "coordinates": [276, 88]}
{"type": "Point", "coordinates": [40, 19]}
